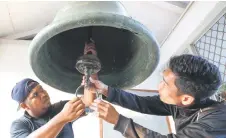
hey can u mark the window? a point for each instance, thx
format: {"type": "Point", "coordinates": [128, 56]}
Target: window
{"type": "Point", "coordinates": [212, 45]}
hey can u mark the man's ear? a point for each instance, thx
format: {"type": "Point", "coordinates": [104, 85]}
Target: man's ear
{"type": "Point", "coordinates": [187, 100]}
{"type": "Point", "coordinates": [24, 106]}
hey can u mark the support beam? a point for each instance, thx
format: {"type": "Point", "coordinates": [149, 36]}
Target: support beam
{"type": "Point", "coordinates": [181, 4]}
{"type": "Point", "coordinates": [28, 35]}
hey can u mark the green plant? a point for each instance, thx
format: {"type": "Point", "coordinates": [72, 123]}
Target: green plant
{"type": "Point", "coordinates": [222, 91]}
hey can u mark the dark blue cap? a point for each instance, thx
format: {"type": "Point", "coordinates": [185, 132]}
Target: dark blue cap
{"type": "Point", "coordinates": [22, 89]}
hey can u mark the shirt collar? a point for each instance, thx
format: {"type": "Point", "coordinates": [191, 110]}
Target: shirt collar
{"type": "Point", "coordinates": [26, 114]}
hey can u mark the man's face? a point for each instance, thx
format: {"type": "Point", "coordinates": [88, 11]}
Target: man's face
{"type": "Point", "coordinates": [167, 89]}
{"type": "Point", "coordinates": [38, 101]}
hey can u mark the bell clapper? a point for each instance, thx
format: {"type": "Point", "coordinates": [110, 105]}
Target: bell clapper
{"type": "Point", "coordinates": [88, 65]}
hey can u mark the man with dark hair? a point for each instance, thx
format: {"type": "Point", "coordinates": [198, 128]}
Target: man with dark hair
{"type": "Point", "coordinates": [184, 93]}
{"type": "Point", "coordinates": [41, 118]}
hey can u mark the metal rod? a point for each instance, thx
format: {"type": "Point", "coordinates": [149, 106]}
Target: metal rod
{"type": "Point", "coordinates": [90, 34]}
{"type": "Point", "coordinates": [101, 127]}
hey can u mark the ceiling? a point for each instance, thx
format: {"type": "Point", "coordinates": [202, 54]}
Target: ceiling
{"type": "Point", "coordinates": [23, 20]}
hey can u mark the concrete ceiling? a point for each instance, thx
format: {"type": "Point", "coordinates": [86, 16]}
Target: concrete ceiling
{"type": "Point", "coordinates": [22, 20]}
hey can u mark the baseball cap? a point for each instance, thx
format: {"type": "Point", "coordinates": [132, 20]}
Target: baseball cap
{"type": "Point", "coordinates": [22, 89]}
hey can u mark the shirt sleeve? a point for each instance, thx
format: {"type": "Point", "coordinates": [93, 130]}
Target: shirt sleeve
{"type": "Point", "coordinates": [19, 129]}
{"type": "Point", "coordinates": [148, 105]}
{"type": "Point", "coordinates": [57, 107]}
{"type": "Point", "coordinates": [130, 129]}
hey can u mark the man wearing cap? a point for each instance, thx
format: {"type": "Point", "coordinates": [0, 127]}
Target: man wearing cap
{"type": "Point", "coordinates": [41, 118]}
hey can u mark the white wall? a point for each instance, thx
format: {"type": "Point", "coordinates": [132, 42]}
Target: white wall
{"type": "Point", "coordinates": [17, 18]}
{"type": "Point", "coordinates": [158, 16]}
{"type": "Point", "coordinates": [14, 66]}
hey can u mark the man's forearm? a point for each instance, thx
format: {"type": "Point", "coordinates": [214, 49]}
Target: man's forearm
{"type": "Point", "coordinates": [50, 129]}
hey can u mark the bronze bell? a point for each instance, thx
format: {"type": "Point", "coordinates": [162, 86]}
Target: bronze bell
{"type": "Point", "coordinates": [127, 50]}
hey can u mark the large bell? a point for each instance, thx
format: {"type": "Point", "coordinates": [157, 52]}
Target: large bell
{"type": "Point", "coordinates": [127, 50]}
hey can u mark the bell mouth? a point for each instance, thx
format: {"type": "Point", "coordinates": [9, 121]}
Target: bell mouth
{"type": "Point", "coordinates": [115, 48]}
{"type": "Point", "coordinates": [127, 51]}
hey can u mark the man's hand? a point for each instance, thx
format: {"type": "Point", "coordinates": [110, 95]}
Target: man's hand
{"type": "Point", "coordinates": [99, 86]}
{"type": "Point", "coordinates": [72, 109]}
{"type": "Point", "coordinates": [105, 111]}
